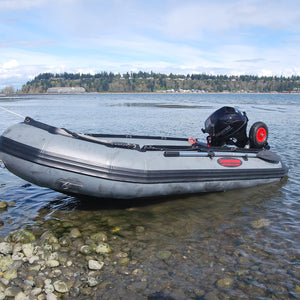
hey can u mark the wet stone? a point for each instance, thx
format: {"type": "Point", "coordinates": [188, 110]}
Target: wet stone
{"type": "Point", "coordinates": [10, 274]}
{"type": "Point", "coordinates": [103, 248]}
{"type": "Point", "coordinates": [22, 236]}
{"type": "Point", "coordinates": [65, 241]}
{"type": "Point", "coordinates": [28, 250]}
{"type": "Point", "coordinates": [99, 237]}
{"type": "Point", "coordinates": [163, 254]}
{"type": "Point", "coordinates": [12, 291]}
{"type": "Point", "coordinates": [3, 205]}
{"type": "Point", "coordinates": [95, 265]}
{"type": "Point", "coordinates": [75, 233]}
{"type": "Point", "coordinates": [225, 282]}
{"type": "Point", "coordinates": [5, 262]}
{"type": "Point", "coordinates": [85, 249]}
{"type": "Point", "coordinates": [260, 223]}
{"type": "Point", "coordinates": [49, 237]}
{"type": "Point", "coordinates": [5, 248]}
{"type": "Point", "coordinates": [60, 286]}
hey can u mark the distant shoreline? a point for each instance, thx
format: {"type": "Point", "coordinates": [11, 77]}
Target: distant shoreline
{"type": "Point", "coordinates": [152, 93]}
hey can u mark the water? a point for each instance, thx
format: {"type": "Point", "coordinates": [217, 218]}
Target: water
{"type": "Point", "coordinates": [181, 247]}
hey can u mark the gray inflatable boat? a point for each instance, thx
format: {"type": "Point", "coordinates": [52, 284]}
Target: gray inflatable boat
{"type": "Point", "coordinates": [121, 166]}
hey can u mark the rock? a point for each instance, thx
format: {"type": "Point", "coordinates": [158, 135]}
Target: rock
{"type": "Point", "coordinates": [20, 296]}
{"type": "Point", "coordinates": [22, 236]}
{"type": "Point", "coordinates": [75, 233]}
{"type": "Point", "coordinates": [28, 250]}
{"type": "Point", "coordinates": [260, 223]}
{"type": "Point", "coordinates": [10, 274]}
{"type": "Point", "coordinates": [140, 229]}
{"type": "Point", "coordinates": [1, 223]}
{"type": "Point", "coordinates": [60, 286]}
{"type": "Point", "coordinates": [36, 291]}
{"type": "Point", "coordinates": [52, 263]}
{"type": "Point", "coordinates": [48, 287]}
{"type": "Point", "coordinates": [85, 249]}
{"type": "Point", "coordinates": [5, 262]}
{"type": "Point", "coordinates": [103, 248]}
{"type": "Point", "coordinates": [123, 261]}
{"type": "Point", "coordinates": [163, 254]}
{"type": "Point", "coordinates": [3, 205]}
{"type": "Point", "coordinates": [64, 241]}
{"type": "Point", "coordinates": [95, 265]}
{"type": "Point", "coordinates": [49, 238]}
{"type": "Point", "coordinates": [51, 296]}
{"type": "Point", "coordinates": [225, 282]}
{"type": "Point", "coordinates": [12, 291]}
{"type": "Point", "coordinates": [92, 281]}
{"type": "Point", "coordinates": [6, 248]}
{"type": "Point", "coordinates": [99, 237]}
{"type": "Point", "coordinates": [137, 272]}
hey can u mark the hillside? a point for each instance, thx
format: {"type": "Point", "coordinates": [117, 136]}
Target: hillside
{"type": "Point", "coordinates": [155, 82]}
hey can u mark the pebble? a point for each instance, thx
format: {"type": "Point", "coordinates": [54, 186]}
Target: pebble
{"type": "Point", "coordinates": [22, 236]}
{"type": "Point", "coordinates": [225, 282]}
{"type": "Point", "coordinates": [163, 254]}
{"type": "Point", "coordinates": [60, 286]}
{"type": "Point", "coordinates": [95, 265]}
{"type": "Point", "coordinates": [99, 237]}
{"type": "Point", "coordinates": [75, 233]}
{"type": "Point", "coordinates": [6, 248]}
{"type": "Point", "coordinates": [10, 274]}
{"type": "Point", "coordinates": [3, 205]}
{"type": "Point", "coordinates": [260, 223]}
{"type": "Point", "coordinates": [103, 248]}
{"type": "Point", "coordinates": [28, 250]}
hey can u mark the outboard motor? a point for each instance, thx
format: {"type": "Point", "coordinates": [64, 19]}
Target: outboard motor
{"type": "Point", "coordinates": [226, 125]}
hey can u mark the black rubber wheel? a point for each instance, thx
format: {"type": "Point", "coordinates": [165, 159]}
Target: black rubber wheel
{"type": "Point", "coordinates": [258, 135]}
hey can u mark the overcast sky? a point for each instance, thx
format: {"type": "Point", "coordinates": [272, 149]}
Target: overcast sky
{"type": "Point", "coordinates": [234, 37]}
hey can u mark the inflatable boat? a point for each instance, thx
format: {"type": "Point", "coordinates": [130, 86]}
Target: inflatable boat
{"type": "Point", "coordinates": [131, 166]}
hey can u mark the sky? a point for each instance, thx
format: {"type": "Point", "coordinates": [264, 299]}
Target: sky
{"type": "Point", "coordinates": [233, 37]}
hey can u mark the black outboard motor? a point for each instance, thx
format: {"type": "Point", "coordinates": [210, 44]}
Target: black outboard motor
{"type": "Point", "coordinates": [226, 125]}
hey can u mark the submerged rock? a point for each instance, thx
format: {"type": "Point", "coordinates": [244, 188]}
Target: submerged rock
{"type": "Point", "coordinates": [75, 233]}
{"type": "Point", "coordinates": [103, 248]}
{"type": "Point", "coordinates": [60, 286]}
{"type": "Point", "coordinates": [95, 265]}
{"type": "Point", "coordinates": [260, 223]}
{"type": "Point", "coordinates": [99, 237]}
{"type": "Point", "coordinates": [3, 205]}
{"type": "Point", "coordinates": [49, 237]}
{"type": "Point", "coordinates": [22, 236]}
{"type": "Point", "coordinates": [163, 254]}
{"type": "Point", "coordinates": [225, 282]}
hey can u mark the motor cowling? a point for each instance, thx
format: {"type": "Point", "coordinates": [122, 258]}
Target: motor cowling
{"type": "Point", "coordinates": [226, 125]}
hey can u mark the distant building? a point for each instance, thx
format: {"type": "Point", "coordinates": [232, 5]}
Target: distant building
{"type": "Point", "coordinates": [66, 90]}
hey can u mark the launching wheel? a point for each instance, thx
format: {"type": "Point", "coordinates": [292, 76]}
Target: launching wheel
{"type": "Point", "coordinates": [258, 135]}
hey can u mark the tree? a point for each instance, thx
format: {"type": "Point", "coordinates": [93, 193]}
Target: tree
{"type": "Point", "coordinates": [8, 90]}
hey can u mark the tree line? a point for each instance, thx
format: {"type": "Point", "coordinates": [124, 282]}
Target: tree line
{"type": "Point", "coordinates": [157, 82]}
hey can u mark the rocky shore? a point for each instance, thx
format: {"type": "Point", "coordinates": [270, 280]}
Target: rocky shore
{"type": "Point", "coordinates": [148, 253]}
{"type": "Point", "coordinates": [51, 268]}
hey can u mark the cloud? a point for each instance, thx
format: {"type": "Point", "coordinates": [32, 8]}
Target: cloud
{"type": "Point", "coordinates": [10, 64]}
{"type": "Point", "coordinates": [194, 19]}
{"type": "Point", "coordinates": [20, 4]}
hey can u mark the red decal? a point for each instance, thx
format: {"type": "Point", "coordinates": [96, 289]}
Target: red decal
{"type": "Point", "coordinates": [229, 162]}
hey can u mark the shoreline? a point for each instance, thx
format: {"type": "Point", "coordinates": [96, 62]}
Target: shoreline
{"type": "Point", "coordinates": [152, 93]}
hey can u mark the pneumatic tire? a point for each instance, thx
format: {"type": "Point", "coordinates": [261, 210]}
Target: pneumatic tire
{"type": "Point", "coordinates": [258, 135]}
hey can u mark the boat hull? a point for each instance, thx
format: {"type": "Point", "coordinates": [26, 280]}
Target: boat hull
{"type": "Point", "coordinates": [128, 167]}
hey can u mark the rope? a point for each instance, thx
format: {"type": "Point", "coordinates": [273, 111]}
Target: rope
{"type": "Point", "coordinates": [12, 112]}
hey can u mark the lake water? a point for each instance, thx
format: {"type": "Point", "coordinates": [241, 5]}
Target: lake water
{"type": "Point", "coordinates": [237, 244]}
